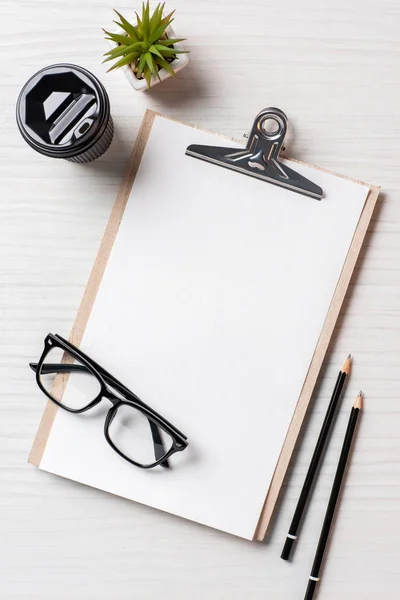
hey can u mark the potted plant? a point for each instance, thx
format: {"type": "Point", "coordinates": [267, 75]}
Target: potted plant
{"type": "Point", "coordinates": [147, 51]}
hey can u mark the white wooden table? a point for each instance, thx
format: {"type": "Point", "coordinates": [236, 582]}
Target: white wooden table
{"type": "Point", "coordinates": [334, 67]}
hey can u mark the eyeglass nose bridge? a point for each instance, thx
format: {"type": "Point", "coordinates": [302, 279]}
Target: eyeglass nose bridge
{"type": "Point", "coordinates": [111, 396]}
{"type": "Point", "coordinates": [109, 392]}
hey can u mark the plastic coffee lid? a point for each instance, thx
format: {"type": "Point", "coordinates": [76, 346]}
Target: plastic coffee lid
{"type": "Point", "coordinates": [62, 110]}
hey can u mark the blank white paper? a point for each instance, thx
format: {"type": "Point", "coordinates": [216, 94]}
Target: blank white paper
{"type": "Point", "coordinates": [210, 310]}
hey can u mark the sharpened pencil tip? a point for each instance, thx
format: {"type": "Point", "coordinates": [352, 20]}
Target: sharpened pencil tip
{"type": "Point", "coordinates": [359, 400]}
{"type": "Point", "coordinates": [347, 365]}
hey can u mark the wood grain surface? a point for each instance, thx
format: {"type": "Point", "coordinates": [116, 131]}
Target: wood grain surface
{"type": "Point", "coordinates": [334, 68]}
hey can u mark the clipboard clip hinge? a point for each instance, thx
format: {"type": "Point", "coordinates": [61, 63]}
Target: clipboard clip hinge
{"type": "Point", "coordinates": [260, 158]}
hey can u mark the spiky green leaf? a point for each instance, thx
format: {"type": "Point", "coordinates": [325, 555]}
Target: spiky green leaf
{"type": "Point", "coordinates": [119, 38]}
{"type": "Point", "coordinates": [157, 33]}
{"type": "Point", "coordinates": [134, 38]}
{"type": "Point", "coordinates": [123, 51]}
{"type": "Point", "coordinates": [147, 76]}
{"type": "Point", "coordinates": [146, 21]}
{"type": "Point", "coordinates": [142, 62]}
{"type": "Point", "coordinates": [114, 53]}
{"type": "Point", "coordinates": [156, 17]}
{"type": "Point", "coordinates": [139, 25]}
{"type": "Point", "coordinates": [154, 50]}
{"type": "Point", "coordinates": [167, 18]}
{"type": "Point", "coordinates": [116, 48]}
{"type": "Point", "coordinates": [168, 51]}
{"type": "Point", "coordinates": [165, 65]}
{"type": "Point", "coordinates": [150, 63]}
{"type": "Point", "coordinates": [126, 60]}
{"type": "Point", "coordinates": [128, 27]}
{"type": "Point", "coordinates": [170, 41]}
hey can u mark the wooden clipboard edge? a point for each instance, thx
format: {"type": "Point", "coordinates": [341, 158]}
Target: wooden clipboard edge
{"type": "Point", "coordinates": [322, 345]}
{"type": "Point", "coordinates": [317, 360]}
{"type": "Point", "coordinates": [96, 274]}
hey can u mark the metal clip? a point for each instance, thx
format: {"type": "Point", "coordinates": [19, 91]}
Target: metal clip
{"type": "Point", "coordinates": [260, 158]}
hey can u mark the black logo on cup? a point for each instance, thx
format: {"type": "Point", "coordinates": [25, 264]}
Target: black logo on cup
{"type": "Point", "coordinates": [63, 111]}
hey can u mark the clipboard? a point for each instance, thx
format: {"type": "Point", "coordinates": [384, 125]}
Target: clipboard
{"type": "Point", "coordinates": [320, 349]}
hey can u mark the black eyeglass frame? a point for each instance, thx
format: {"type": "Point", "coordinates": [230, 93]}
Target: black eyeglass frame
{"type": "Point", "coordinates": [179, 440]}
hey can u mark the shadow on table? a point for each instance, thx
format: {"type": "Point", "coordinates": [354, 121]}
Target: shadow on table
{"type": "Point", "coordinates": [188, 88]}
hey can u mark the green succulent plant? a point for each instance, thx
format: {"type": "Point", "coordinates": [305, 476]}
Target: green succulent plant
{"type": "Point", "coordinates": [145, 46]}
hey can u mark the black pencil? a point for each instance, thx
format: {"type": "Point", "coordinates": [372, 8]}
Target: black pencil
{"type": "Point", "coordinates": [316, 457]}
{"type": "Point", "coordinates": [330, 511]}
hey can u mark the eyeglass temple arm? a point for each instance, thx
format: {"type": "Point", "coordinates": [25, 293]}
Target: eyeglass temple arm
{"type": "Point", "coordinates": [57, 368]}
{"type": "Point", "coordinates": [159, 449]}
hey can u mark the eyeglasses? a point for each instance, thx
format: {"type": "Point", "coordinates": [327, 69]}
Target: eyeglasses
{"type": "Point", "coordinates": [134, 430]}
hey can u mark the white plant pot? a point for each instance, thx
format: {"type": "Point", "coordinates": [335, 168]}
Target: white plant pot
{"type": "Point", "coordinates": [140, 84]}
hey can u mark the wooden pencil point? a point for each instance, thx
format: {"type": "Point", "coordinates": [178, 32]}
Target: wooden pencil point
{"type": "Point", "coordinates": [359, 400]}
{"type": "Point", "coordinates": [347, 365]}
